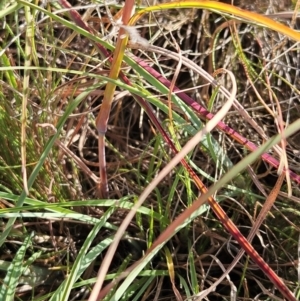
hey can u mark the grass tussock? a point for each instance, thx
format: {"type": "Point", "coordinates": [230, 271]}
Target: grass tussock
{"type": "Point", "coordinates": [67, 186]}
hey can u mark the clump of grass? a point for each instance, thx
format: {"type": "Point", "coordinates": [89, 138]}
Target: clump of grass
{"type": "Point", "coordinates": [57, 74]}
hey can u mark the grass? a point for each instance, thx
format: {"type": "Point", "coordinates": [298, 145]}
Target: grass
{"type": "Point", "coordinates": [87, 127]}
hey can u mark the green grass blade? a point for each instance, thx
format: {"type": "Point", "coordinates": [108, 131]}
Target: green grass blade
{"type": "Point", "coordinates": [14, 272]}
{"type": "Point", "coordinates": [82, 260]}
{"type": "Point", "coordinates": [72, 105]}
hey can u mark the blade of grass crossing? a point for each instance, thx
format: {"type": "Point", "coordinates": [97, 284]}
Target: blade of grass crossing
{"type": "Point", "coordinates": [14, 272]}
{"type": "Point", "coordinates": [80, 264]}
{"type": "Point", "coordinates": [72, 105]}
{"type": "Point", "coordinates": [102, 118]}
{"type": "Point", "coordinates": [89, 35]}
{"type": "Point", "coordinates": [150, 236]}
{"type": "Point", "coordinates": [6, 10]}
{"type": "Point", "coordinates": [196, 209]}
{"type": "Point", "coordinates": [121, 268]}
{"type": "Point", "coordinates": [29, 37]}
{"type": "Point", "coordinates": [60, 210]}
{"type": "Point", "coordinates": [192, 269]}
{"type": "Point", "coordinates": [185, 286]}
{"type": "Point", "coordinates": [138, 267]}
{"type": "Point", "coordinates": [171, 270]}
{"type": "Point", "coordinates": [9, 74]}
{"type": "Point", "coordinates": [204, 113]}
{"type": "Point", "coordinates": [143, 289]}
{"type": "Point", "coordinates": [188, 111]}
{"type": "Point", "coordinates": [219, 7]}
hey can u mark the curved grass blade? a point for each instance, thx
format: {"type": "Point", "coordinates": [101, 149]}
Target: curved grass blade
{"type": "Point", "coordinates": [195, 209]}
{"type": "Point", "coordinates": [102, 118]}
{"type": "Point", "coordinates": [220, 7]}
{"type": "Point", "coordinates": [156, 80]}
{"type": "Point", "coordinates": [83, 259]}
{"type": "Point", "coordinates": [72, 105]}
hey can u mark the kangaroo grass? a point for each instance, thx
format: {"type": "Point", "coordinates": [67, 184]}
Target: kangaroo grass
{"type": "Point", "coordinates": [286, 292]}
{"type": "Point", "coordinates": [191, 213]}
{"type": "Point", "coordinates": [68, 92]}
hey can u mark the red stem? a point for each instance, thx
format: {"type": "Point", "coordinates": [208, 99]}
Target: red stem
{"type": "Point", "coordinates": [206, 114]}
{"type": "Point", "coordinates": [227, 223]}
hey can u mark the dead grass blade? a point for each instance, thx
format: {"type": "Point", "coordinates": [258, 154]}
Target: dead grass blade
{"type": "Point", "coordinates": [202, 111]}
{"type": "Point", "coordinates": [166, 170]}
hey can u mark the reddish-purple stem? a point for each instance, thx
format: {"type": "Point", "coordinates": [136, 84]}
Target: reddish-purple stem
{"type": "Point", "coordinates": [145, 105]}
{"type": "Point", "coordinates": [202, 112]}
{"type": "Point", "coordinates": [189, 101]}
{"type": "Point", "coordinates": [206, 114]}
